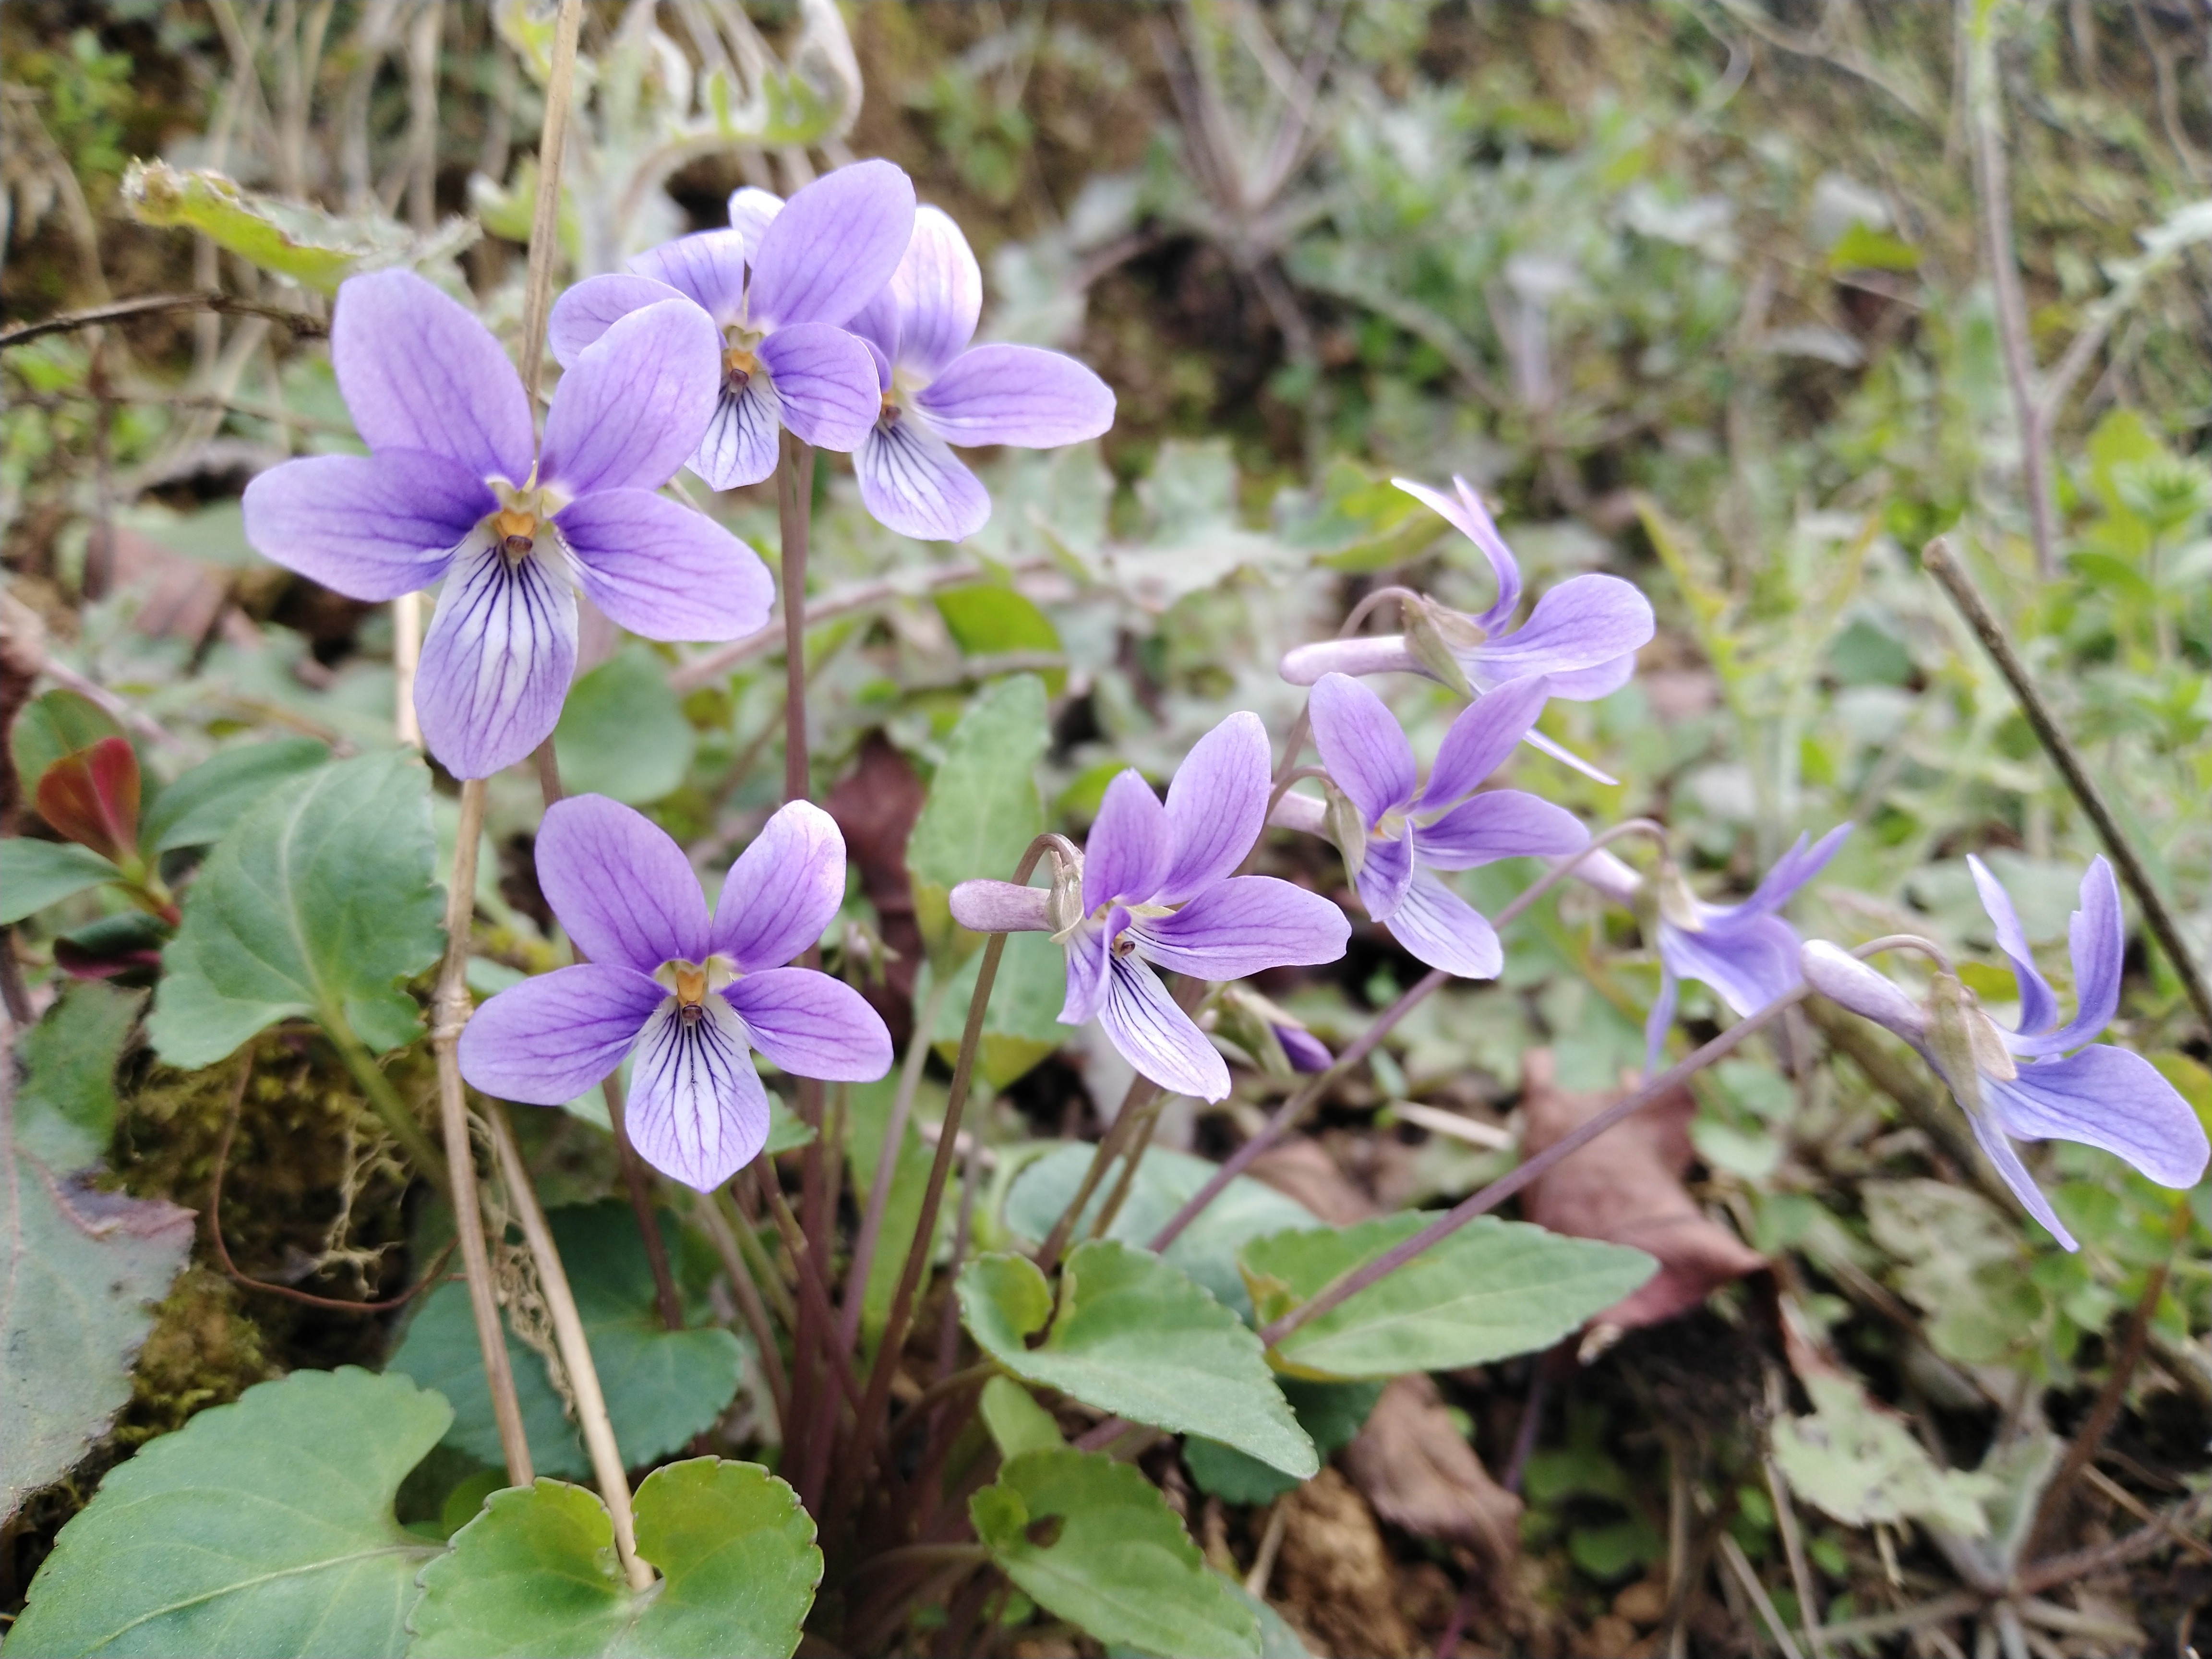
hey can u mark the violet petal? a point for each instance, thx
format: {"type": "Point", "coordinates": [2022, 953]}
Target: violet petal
{"type": "Point", "coordinates": [635, 404]}
{"type": "Point", "coordinates": [418, 371]}
{"type": "Point", "coordinates": [1367, 754]}
{"type": "Point", "coordinates": [1487, 731]}
{"type": "Point", "coordinates": [739, 445]}
{"type": "Point", "coordinates": [1583, 622]}
{"type": "Point", "coordinates": [1845, 981]}
{"type": "Point", "coordinates": [1130, 846]}
{"type": "Point", "coordinates": [1157, 1037]}
{"type": "Point", "coordinates": [623, 889]}
{"type": "Point", "coordinates": [812, 1025]}
{"type": "Point", "coordinates": [1498, 823]}
{"type": "Point", "coordinates": [912, 482]}
{"type": "Point", "coordinates": [708, 267]}
{"type": "Point", "coordinates": [1439, 928]}
{"type": "Point", "coordinates": [1217, 805]}
{"type": "Point", "coordinates": [497, 660]}
{"type": "Point", "coordinates": [1000, 907]}
{"type": "Point", "coordinates": [833, 246]}
{"type": "Point", "coordinates": [783, 890]}
{"type": "Point", "coordinates": [752, 209]}
{"type": "Point", "coordinates": [1017, 394]}
{"type": "Point", "coordinates": [2110, 1098]}
{"type": "Point", "coordinates": [1660, 1020]}
{"type": "Point", "coordinates": [1090, 950]}
{"type": "Point", "coordinates": [545, 1040]}
{"type": "Point", "coordinates": [1789, 874]}
{"type": "Point", "coordinates": [938, 289]}
{"type": "Point", "coordinates": [697, 1111]}
{"type": "Point", "coordinates": [589, 308]}
{"type": "Point", "coordinates": [1746, 965]}
{"type": "Point", "coordinates": [1991, 1135]}
{"type": "Point", "coordinates": [1384, 875]}
{"type": "Point", "coordinates": [827, 382]}
{"type": "Point", "coordinates": [662, 570]}
{"type": "Point", "coordinates": [371, 527]}
{"type": "Point", "coordinates": [1464, 511]}
{"type": "Point", "coordinates": [1244, 925]}
{"type": "Point", "coordinates": [2097, 941]}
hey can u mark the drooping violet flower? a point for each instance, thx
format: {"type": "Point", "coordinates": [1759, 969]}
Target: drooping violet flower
{"type": "Point", "coordinates": [1273, 1035]}
{"type": "Point", "coordinates": [1745, 953]}
{"type": "Point", "coordinates": [456, 485]}
{"type": "Point", "coordinates": [689, 994]}
{"type": "Point", "coordinates": [1398, 832]}
{"type": "Point", "coordinates": [1583, 636]}
{"type": "Point", "coordinates": [777, 284]}
{"type": "Point", "coordinates": [2043, 1081]}
{"type": "Point", "coordinates": [938, 390]}
{"type": "Point", "coordinates": [1156, 887]}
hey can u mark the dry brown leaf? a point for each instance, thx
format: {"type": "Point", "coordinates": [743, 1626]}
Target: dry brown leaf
{"type": "Point", "coordinates": [1334, 1578]}
{"type": "Point", "coordinates": [1625, 1187]}
{"type": "Point", "coordinates": [1303, 1169]}
{"type": "Point", "coordinates": [1418, 1473]}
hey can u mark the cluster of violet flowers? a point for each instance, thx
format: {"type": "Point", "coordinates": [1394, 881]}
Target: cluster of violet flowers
{"type": "Point", "coordinates": [845, 317]}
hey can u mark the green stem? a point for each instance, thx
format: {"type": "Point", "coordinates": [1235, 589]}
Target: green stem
{"type": "Point", "coordinates": [406, 1129]}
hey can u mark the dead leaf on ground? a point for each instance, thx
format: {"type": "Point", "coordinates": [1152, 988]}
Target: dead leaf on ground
{"type": "Point", "coordinates": [1303, 1169]}
{"type": "Point", "coordinates": [1625, 1187]}
{"type": "Point", "coordinates": [1420, 1474]}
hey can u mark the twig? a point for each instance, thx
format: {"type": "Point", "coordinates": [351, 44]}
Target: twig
{"type": "Point", "coordinates": [1785, 1521]}
{"type": "Point", "coordinates": [1943, 564]}
{"type": "Point", "coordinates": [575, 1352]}
{"type": "Point", "coordinates": [155, 305]}
{"type": "Point", "coordinates": [230, 1269]}
{"type": "Point", "coordinates": [2063, 1569]}
{"type": "Point", "coordinates": [450, 1011]}
{"type": "Point", "coordinates": [747, 1294]}
{"type": "Point", "coordinates": [1740, 1564]}
{"type": "Point", "coordinates": [812, 1292]}
{"type": "Point", "coordinates": [545, 215]}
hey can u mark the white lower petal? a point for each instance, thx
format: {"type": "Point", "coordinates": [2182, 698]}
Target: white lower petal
{"type": "Point", "coordinates": [498, 657]}
{"type": "Point", "coordinates": [697, 1110]}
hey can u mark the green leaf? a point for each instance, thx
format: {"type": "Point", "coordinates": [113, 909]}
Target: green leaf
{"type": "Point", "coordinates": [77, 1270]}
{"type": "Point", "coordinates": [319, 902]}
{"type": "Point", "coordinates": [623, 734]}
{"type": "Point", "coordinates": [1016, 1423]}
{"type": "Point", "coordinates": [265, 1526]}
{"type": "Point", "coordinates": [983, 810]}
{"type": "Point", "coordinates": [65, 1111]}
{"type": "Point", "coordinates": [662, 1386]}
{"type": "Point", "coordinates": [1861, 247]}
{"type": "Point", "coordinates": [291, 239]}
{"type": "Point", "coordinates": [1859, 1463]}
{"type": "Point", "coordinates": [535, 1573]}
{"type": "Point", "coordinates": [1093, 1541]}
{"type": "Point", "coordinates": [200, 806]}
{"type": "Point", "coordinates": [786, 1131]}
{"type": "Point", "coordinates": [988, 620]}
{"type": "Point", "coordinates": [1021, 1027]}
{"type": "Point", "coordinates": [1132, 1335]}
{"type": "Point", "coordinates": [1207, 1250]}
{"type": "Point", "coordinates": [1492, 1289]}
{"type": "Point", "coordinates": [869, 1107]}
{"type": "Point", "coordinates": [1332, 1414]}
{"type": "Point", "coordinates": [36, 873]}
{"type": "Point", "coordinates": [48, 727]}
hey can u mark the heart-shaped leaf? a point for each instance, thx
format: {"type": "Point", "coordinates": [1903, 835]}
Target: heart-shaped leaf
{"type": "Point", "coordinates": [1135, 1336]}
{"type": "Point", "coordinates": [65, 1111]}
{"type": "Point", "coordinates": [202, 805]}
{"type": "Point", "coordinates": [36, 873]}
{"type": "Point", "coordinates": [78, 1268]}
{"type": "Point", "coordinates": [1092, 1541]}
{"type": "Point", "coordinates": [264, 1527]}
{"type": "Point", "coordinates": [319, 902]}
{"type": "Point", "coordinates": [535, 1573]}
{"type": "Point", "coordinates": [92, 797]}
{"type": "Point", "coordinates": [1492, 1289]}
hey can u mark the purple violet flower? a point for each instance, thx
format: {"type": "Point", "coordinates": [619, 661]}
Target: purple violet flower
{"type": "Point", "coordinates": [1157, 886]}
{"type": "Point", "coordinates": [777, 284]}
{"type": "Point", "coordinates": [1583, 636]}
{"type": "Point", "coordinates": [1398, 833]}
{"type": "Point", "coordinates": [1305, 1051]}
{"type": "Point", "coordinates": [2025, 1085]}
{"type": "Point", "coordinates": [937, 391]}
{"type": "Point", "coordinates": [1746, 953]}
{"type": "Point", "coordinates": [689, 994]}
{"type": "Point", "coordinates": [456, 485]}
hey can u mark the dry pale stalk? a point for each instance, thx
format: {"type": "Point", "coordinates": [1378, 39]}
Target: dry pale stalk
{"type": "Point", "coordinates": [591, 1417]}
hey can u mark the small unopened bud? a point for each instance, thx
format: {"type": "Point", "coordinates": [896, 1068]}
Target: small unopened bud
{"type": "Point", "coordinates": [1343, 825]}
{"type": "Point", "coordinates": [1434, 636]}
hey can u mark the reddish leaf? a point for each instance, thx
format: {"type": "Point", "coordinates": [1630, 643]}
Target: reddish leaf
{"type": "Point", "coordinates": [92, 797]}
{"type": "Point", "coordinates": [1625, 1187]}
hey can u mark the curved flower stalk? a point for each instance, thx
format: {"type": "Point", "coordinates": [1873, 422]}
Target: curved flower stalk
{"type": "Point", "coordinates": [1396, 833]}
{"type": "Point", "coordinates": [777, 285]}
{"type": "Point", "coordinates": [938, 390]}
{"type": "Point", "coordinates": [1583, 636]}
{"type": "Point", "coordinates": [691, 995]}
{"type": "Point", "coordinates": [456, 485]}
{"type": "Point", "coordinates": [1745, 953]}
{"type": "Point", "coordinates": [1154, 887]}
{"type": "Point", "coordinates": [2041, 1081]}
